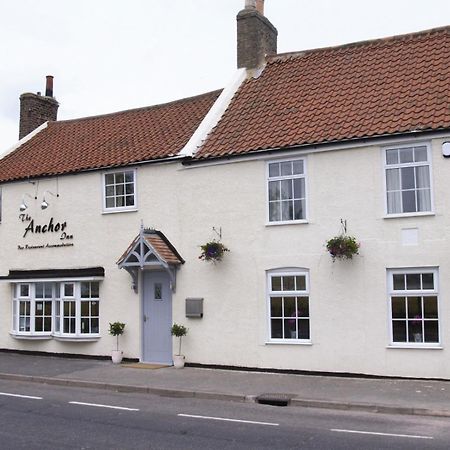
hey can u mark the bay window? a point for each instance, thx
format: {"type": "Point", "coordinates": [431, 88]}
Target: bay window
{"type": "Point", "coordinates": [64, 309]}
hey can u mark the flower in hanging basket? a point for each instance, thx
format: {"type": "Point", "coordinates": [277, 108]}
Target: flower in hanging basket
{"type": "Point", "coordinates": [212, 251]}
{"type": "Point", "coordinates": [343, 247]}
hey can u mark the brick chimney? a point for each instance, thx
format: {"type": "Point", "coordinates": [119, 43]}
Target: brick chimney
{"type": "Point", "coordinates": [36, 109]}
{"type": "Point", "coordinates": [256, 36]}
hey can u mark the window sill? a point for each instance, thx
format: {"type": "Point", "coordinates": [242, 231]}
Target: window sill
{"type": "Point", "coordinates": [288, 342]}
{"type": "Point", "coordinates": [31, 337]}
{"type": "Point", "coordinates": [76, 338]}
{"type": "Point", "coordinates": [405, 215]}
{"type": "Point", "coordinates": [286, 222]}
{"type": "Point", "coordinates": [416, 346]}
{"type": "Point", "coordinates": [116, 211]}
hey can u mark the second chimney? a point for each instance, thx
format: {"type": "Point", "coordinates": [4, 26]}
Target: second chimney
{"type": "Point", "coordinates": [36, 109]}
{"type": "Point", "coordinates": [256, 36]}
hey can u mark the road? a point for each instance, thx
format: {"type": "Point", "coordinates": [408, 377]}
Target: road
{"type": "Point", "coordinates": [35, 416]}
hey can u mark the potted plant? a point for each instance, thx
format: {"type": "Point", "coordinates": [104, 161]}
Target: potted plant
{"type": "Point", "coordinates": [342, 247]}
{"type": "Point", "coordinates": [212, 251]}
{"type": "Point", "coordinates": [178, 331]}
{"type": "Point", "coordinates": [116, 329]}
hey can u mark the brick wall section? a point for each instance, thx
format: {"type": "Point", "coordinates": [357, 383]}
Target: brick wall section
{"type": "Point", "coordinates": [256, 37]}
{"type": "Point", "coordinates": [34, 111]}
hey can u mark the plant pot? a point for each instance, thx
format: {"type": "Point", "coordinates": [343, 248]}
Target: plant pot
{"type": "Point", "coordinates": [116, 356]}
{"type": "Point", "coordinates": [178, 361]}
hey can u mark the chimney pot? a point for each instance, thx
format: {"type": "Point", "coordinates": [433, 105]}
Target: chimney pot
{"type": "Point", "coordinates": [49, 86]}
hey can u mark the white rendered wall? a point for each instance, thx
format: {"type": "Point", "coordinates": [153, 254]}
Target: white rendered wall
{"type": "Point", "coordinates": [348, 299]}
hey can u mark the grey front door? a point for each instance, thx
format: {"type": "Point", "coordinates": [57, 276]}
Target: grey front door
{"type": "Point", "coordinates": [157, 309]}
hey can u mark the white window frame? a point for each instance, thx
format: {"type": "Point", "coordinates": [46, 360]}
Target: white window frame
{"type": "Point", "coordinates": [119, 208]}
{"type": "Point", "coordinates": [57, 301]}
{"type": "Point", "coordinates": [399, 165]}
{"type": "Point", "coordinates": [413, 293]}
{"type": "Point", "coordinates": [304, 175]}
{"type": "Point", "coordinates": [287, 272]}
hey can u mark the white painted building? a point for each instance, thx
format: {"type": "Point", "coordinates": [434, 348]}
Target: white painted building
{"type": "Point", "coordinates": [292, 152]}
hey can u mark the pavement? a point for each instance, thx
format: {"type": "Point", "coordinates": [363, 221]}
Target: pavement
{"type": "Point", "coordinates": [382, 395]}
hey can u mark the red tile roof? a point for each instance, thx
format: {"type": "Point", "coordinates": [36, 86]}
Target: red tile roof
{"type": "Point", "coordinates": [110, 140]}
{"type": "Point", "coordinates": [160, 244]}
{"type": "Point", "coordinates": [371, 88]}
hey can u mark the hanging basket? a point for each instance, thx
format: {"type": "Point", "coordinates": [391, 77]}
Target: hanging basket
{"type": "Point", "coordinates": [212, 251]}
{"type": "Point", "coordinates": [343, 247]}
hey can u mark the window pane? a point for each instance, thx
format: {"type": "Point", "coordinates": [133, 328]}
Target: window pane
{"type": "Point", "coordinates": [297, 167]}
{"type": "Point", "coordinates": [287, 210]}
{"type": "Point", "coordinates": [289, 307]}
{"type": "Point", "coordinates": [414, 307]}
{"type": "Point", "coordinates": [399, 331]}
{"type": "Point", "coordinates": [303, 306]}
{"type": "Point", "coordinates": [276, 283]}
{"type": "Point", "coordinates": [120, 201]}
{"type": "Point", "coordinates": [408, 178]}
{"type": "Point", "coordinates": [415, 332]}
{"type": "Point", "coordinates": [275, 307]}
{"type": "Point", "coordinates": [406, 155]}
{"type": "Point", "coordinates": [274, 211]}
{"type": "Point", "coordinates": [85, 308]}
{"type": "Point", "coordinates": [120, 189]}
{"type": "Point", "coordinates": [412, 281]}
{"type": "Point", "coordinates": [430, 307]}
{"type": "Point", "coordinates": [94, 289]}
{"type": "Point", "coordinates": [274, 190]}
{"type": "Point", "coordinates": [39, 290]}
{"type": "Point", "coordinates": [420, 154]}
{"type": "Point", "coordinates": [290, 331]}
{"type": "Point", "coordinates": [409, 201]}
{"type": "Point", "coordinates": [422, 176]}
{"type": "Point", "coordinates": [398, 308]}
{"type": "Point", "coordinates": [392, 156]}
{"type": "Point", "coordinates": [299, 209]}
{"type": "Point", "coordinates": [394, 202]}
{"type": "Point", "coordinates": [85, 326]}
{"type": "Point", "coordinates": [431, 331]}
{"type": "Point", "coordinates": [38, 324]}
{"type": "Point", "coordinates": [303, 329]}
{"type": "Point", "coordinates": [39, 308]}
{"type": "Point", "coordinates": [423, 200]}
{"type": "Point", "coordinates": [47, 324]}
{"type": "Point", "coordinates": [274, 170]}
{"type": "Point", "coordinates": [24, 290]}
{"type": "Point", "coordinates": [399, 282]}
{"type": "Point", "coordinates": [95, 309]}
{"type": "Point", "coordinates": [48, 308]}
{"type": "Point", "coordinates": [129, 177]}
{"type": "Point", "coordinates": [300, 282]}
{"type": "Point", "coordinates": [276, 331]}
{"type": "Point", "coordinates": [66, 328]}
{"type": "Point", "coordinates": [109, 178]}
{"type": "Point", "coordinates": [94, 326]}
{"type": "Point", "coordinates": [286, 189]}
{"type": "Point", "coordinates": [84, 290]}
{"type": "Point", "coordinates": [286, 168]}
{"type": "Point", "coordinates": [288, 283]}
{"type": "Point", "coordinates": [119, 177]}
{"type": "Point", "coordinates": [110, 202]}
{"type": "Point", "coordinates": [299, 188]}
{"type": "Point", "coordinates": [68, 290]}
{"type": "Point", "coordinates": [427, 281]}
{"type": "Point", "coordinates": [129, 188]}
{"type": "Point", "coordinates": [109, 191]}
{"type": "Point", "coordinates": [129, 200]}
{"type": "Point", "coordinates": [393, 179]}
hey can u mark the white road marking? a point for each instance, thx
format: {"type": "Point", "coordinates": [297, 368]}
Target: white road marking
{"type": "Point", "coordinates": [229, 420]}
{"type": "Point", "coordinates": [411, 436]}
{"type": "Point", "coordinates": [6, 394]}
{"type": "Point", "coordinates": [103, 406]}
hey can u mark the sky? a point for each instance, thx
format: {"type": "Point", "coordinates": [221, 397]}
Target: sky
{"type": "Point", "coordinates": [111, 55]}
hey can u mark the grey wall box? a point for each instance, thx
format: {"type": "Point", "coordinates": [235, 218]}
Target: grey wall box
{"type": "Point", "coordinates": [194, 307]}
